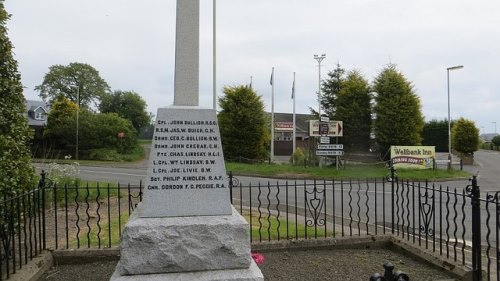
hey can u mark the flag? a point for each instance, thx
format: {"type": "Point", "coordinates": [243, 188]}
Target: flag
{"type": "Point", "coordinates": [293, 87]}
{"type": "Point", "coordinates": [272, 78]}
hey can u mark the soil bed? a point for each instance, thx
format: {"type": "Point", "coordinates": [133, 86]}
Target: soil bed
{"type": "Point", "coordinates": [311, 265]}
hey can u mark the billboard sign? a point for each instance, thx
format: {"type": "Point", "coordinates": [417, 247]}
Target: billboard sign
{"type": "Point", "coordinates": [416, 157]}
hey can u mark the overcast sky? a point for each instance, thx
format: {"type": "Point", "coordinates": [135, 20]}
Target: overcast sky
{"type": "Point", "coordinates": [131, 44]}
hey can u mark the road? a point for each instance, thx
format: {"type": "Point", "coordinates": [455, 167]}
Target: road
{"type": "Point", "coordinates": [358, 198]}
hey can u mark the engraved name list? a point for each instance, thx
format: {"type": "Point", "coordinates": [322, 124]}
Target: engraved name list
{"type": "Point", "coordinates": [186, 154]}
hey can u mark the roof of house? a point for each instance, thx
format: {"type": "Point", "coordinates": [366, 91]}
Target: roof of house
{"type": "Point", "coordinates": [32, 106]}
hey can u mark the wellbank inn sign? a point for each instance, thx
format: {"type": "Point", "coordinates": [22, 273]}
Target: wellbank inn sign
{"type": "Point", "coordinates": [420, 157]}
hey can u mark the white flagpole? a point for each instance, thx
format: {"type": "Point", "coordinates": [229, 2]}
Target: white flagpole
{"type": "Point", "coordinates": [272, 116]}
{"type": "Point", "coordinates": [293, 97]}
{"type": "Point", "coordinates": [214, 50]}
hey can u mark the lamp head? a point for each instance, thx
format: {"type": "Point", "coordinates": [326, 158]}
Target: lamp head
{"type": "Point", "coordinates": [455, 67]}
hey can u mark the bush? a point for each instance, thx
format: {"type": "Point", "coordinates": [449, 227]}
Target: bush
{"type": "Point", "coordinates": [298, 157]}
{"type": "Point", "coordinates": [104, 154]}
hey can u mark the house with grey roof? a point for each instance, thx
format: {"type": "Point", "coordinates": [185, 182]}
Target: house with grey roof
{"type": "Point", "coordinates": [36, 113]}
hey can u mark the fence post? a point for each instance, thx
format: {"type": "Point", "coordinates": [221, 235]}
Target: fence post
{"type": "Point", "coordinates": [41, 182]}
{"type": "Point", "coordinates": [476, 230]}
{"type": "Point", "coordinates": [392, 196]}
{"type": "Point", "coordinates": [231, 186]}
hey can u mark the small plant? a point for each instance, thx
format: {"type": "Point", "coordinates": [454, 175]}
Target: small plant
{"type": "Point", "coordinates": [64, 174]}
{"type": "Point", "coordinates": [298, 157]}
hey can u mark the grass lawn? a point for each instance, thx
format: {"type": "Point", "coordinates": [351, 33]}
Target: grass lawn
{"type": "Point", "coordinates": [350, 172]}
{"type": "Point", "coordinates": [270, 228]}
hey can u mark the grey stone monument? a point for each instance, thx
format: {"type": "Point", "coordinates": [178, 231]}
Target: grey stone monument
{"type": "Point", "coordinates": [185, 228]}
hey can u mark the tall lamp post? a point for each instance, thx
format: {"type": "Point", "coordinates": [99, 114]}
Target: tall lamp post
{"type": "Point", "coordinates": [77, 117]}
{"type": "Point", "coordinates": [449, 120]}
{"type": "Point", "coordinates": [319, 59]}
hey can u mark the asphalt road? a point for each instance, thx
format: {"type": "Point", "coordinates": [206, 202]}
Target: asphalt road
{"type": "Point", "coordinates": [487, 170]}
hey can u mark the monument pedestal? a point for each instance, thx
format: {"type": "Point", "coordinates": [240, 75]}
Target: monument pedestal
{"type": "Point", "coordinates": [252, 273]}
{"type": "Point", "coordinates": [186, 248]}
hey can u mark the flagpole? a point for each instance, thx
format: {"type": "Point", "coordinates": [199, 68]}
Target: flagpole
{"type": "Point", "coordinates": [272, 116]}
{"type": "Point", "coordinates": [214, 49]}
{"type": "Point", "coordinates": [293, 135]}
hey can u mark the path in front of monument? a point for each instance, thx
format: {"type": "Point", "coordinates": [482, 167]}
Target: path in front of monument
{"type": "Point", "coordinates": [311, 265]}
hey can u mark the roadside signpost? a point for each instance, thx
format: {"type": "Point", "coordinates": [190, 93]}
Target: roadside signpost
{"type": "Point", "coordinates": [331, 146]}
{"type": "Point", "coordinates": [329, 152]}
{"type": "Point", "coordinates": [324, 139]}
{"type": "Point", "coordinates": [325, 129]}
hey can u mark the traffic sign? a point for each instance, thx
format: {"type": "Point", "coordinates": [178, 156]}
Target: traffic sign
{"type": "Point", "coordinates": [324, 139]}
{"type": "Point", "coordinates": [324, 119]}
{"type": "Point", "coordinates": [331, 146]}
{"type": "Point", "coordinates": [329, 152]}
{"type": "Point", "coordinates": [335, 128]}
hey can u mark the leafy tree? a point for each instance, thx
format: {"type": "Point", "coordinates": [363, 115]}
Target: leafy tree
{"type": "Point", "coordinates": [64, 81]}
{"type": "Point", "coordinates": [465, 136]}
{"type": "Point", "coordinates": [16, 172]}
{"type": "Point", "coordinates": [496, 141]}
{"type": "Point", "coordinates": [242, 123]}
{"type": "Point", "coordinates": [128, 105]}
{"type": "Point", "coordinates": [354, 109]}
{"type": "Point", "coordinates": [61, 123]}
{"type": "Point", "coordinates": [96, 131]}
{"type": "Point", "coordinates": [435, 133]}
{"type": "Point", "coordinates": [399, 120]}
{"type": "Point", "coordinates": [101, 131]}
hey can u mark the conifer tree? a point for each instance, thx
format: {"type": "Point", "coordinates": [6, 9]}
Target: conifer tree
{"type": "Point", "coordinates": [16, 171]}
{"type": "Point", "coordinates": [399, 119]}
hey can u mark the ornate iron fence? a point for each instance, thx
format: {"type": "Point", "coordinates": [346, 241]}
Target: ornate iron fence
{"type": "Point", "coordinates": [455, 223]}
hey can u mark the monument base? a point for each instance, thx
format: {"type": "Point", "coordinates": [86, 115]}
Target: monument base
{"type": "Point", "coordinates": [184, 244]}
{"type": "Point", "coordinates": [252, 273]}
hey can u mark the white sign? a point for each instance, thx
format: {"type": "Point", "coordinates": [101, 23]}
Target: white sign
{"type": "Point", "coordinates": [325, 119]}
{"type": "Point", "coordinates": [333, 129]}
{"type": "Point", "coordinates": [329, 152]}
{"type": "Point", "coordinates": [330, 146]}
{"type": "Point", "coordinates": [324, 139]}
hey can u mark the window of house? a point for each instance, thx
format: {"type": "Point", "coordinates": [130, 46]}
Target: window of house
{"type": "Point", "coordinates": [38, 116]}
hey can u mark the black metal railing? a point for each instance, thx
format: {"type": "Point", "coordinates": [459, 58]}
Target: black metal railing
{"type": "Point", "coordinates": [67, 217]}
{"type": "Point", "coordinates": [456, 223]}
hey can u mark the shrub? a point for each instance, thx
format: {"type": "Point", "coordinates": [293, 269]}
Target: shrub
{"type": "Point", "coordinates": [298, 157]}
{"type": "Point", "coordinates": [104, 154]}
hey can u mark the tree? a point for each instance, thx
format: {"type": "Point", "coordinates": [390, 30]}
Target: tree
{"type": "Point", "coordinates": [465, 136]}
{"type": "Point", "coordinates": [128, 105]}
{"type": "Point", "coordinates": [435, 133]}
{"type": "Point", "coordinates": [354, 109]}
{"type": "Point", "coordinates": [101, 131]}
{"type": "Point", "coordinates": [399, 120]}
{"type": "Point", "coordinates": [496, 141]}
{"type": "Point", "coordinates": [61, 123]}
{"type": "Point", "coordinates": [16, 171]}
{"type": "Point", "coordinates": [74, 81]}
{"type": "Point", "coordinates": [242, 123]}
{"type": "Point", "coordinates": [330, 89]}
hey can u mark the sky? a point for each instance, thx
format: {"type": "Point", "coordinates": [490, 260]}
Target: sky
{"type": "Point", "coordinates": [131, 44]}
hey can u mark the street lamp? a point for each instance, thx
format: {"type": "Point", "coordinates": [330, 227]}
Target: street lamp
{"type": "Point", "coordinates": [319, 59]}
{"type": "Point", "coordinates": [449, 120]}
{"type": "Point", "coordinates": [77, 117]}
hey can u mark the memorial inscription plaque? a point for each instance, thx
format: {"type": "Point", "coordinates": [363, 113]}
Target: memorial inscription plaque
{"type": "Point", "coordinates": [186, 173]}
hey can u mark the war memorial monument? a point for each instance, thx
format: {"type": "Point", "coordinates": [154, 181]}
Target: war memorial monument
{"type": "Point", "coordinates": [186, 228]}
